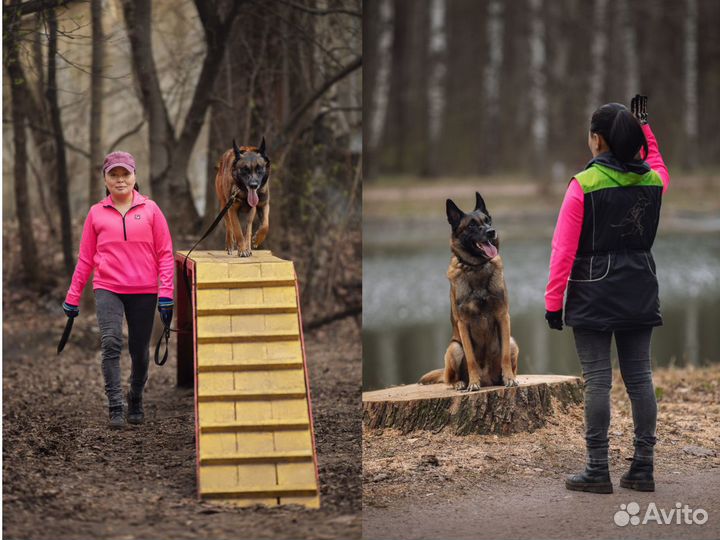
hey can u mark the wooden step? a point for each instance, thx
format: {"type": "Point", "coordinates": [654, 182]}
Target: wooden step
{"type": "Point", "coordinates": [237, 283]}
{"type": "Point", "coordinates": [264, 365]}
{"type": "Point", "coordinates": [268, 457]}
{"type": "Point", "coordinates": [247, 309]}
{"type": "Point", "coordinates": [258, 425]}
{"type": "Point", "coordinates": [288, 490]}
{"type": "Point", "coordinates": [255, 337]}
{"type": "Point", "coordinates": [252, 396]}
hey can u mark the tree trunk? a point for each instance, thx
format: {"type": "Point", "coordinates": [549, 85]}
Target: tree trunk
{"type": "Point", "coordinates": [63, 179]}
{"type": "Point", "coordinates": [96, 89]}
{"type": "Point", "coordinates": [491, 410]}
{"type": "Point", "coordinates": [538, 92]}
{"type": "Point", "coordinates": [598, 56]}
{"type": "Point", "coordinates": [19, 95]}
{"type": "Point", "coordinates": [490, 149]}
{"type": "Point", "coordinates": [691, 84]}
{"type": "Point", "coordinates": [435, 86]}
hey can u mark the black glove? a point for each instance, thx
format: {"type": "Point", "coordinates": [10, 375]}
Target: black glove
{"type": "Point", "coordinates": [165, 307]}
{"type": "Point", "coordinates": [70, 310]}
{"type": "Point", "coordinates": [554, 319]}
{"type": "Point", "coordinates": [638, 107]}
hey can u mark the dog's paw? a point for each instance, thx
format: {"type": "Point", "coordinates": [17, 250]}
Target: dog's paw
{"type": "Point", "coordinates": [460, 385]}
{"type": "Point", "coordinates": [229, 251]}
{"type": "Point", "coordinates": [255, 244]}
{"type": "Point", "coordinates": [509, 381]}
{"type": "Point", "coordinates": [473, 387]}
{"type": "Point", "coordinates": [244, 253]}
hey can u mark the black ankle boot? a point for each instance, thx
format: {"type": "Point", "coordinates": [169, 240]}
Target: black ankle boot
{"type": "Point", "coordinates": [594, 479]}
{"type": "Point", "coordinates": [135, 414]}
{"type": "Point", "coordinates": [117, 420]}
{"type": "Point", "coordinates": [640, 475]}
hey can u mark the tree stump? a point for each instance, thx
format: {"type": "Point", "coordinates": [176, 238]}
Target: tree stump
{"type": "Point", "coordinates": [494, 409]}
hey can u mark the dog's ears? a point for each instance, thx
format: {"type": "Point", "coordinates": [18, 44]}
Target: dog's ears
{"type": "Point", "coordinates": [480, 204]}
{"type": "Point", "coordinates": [261, 148]}
{"type": "Point", "coordinates": [237, 150]}
{"type": "Point", "coordinates": [454, 214]}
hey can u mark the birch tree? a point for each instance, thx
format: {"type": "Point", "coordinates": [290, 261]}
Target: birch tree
{"type": "Point", "coordinates": [491, 83]}
{"type": "Point", "coordinates": [691, 83]}
{"type": "Point", "coordinates": [538, 79]}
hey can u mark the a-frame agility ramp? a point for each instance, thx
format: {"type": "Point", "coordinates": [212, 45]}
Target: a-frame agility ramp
{"type": "Point", "coordinates": [246, 358]}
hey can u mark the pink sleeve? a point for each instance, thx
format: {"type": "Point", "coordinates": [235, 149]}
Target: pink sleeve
{"type": "Point", "coordinates": [164, 253]}
{"type": "Point", "coordinates": [564, 245]}
{"type": "Point", "coordinates": [654, 159]}
{"type": "Point", "coordinates": [85, 264]}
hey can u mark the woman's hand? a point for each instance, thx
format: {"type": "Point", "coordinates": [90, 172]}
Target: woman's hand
{"type": "Point", "coordinates": [638, 107]}
{"type": "Point", "coordinates": [554, 319]}
{"type": "Point", "coordinates": [70, 310]}
{"type": "Point", "coordinates": [165, 307]}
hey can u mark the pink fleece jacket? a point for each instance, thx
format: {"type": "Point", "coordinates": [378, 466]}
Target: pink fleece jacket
{"type": "Point", "coordinates": [569, 225]}
{"type": "Point", "coordinates": [127, 253]}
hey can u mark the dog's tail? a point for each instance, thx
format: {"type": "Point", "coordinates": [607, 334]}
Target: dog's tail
{"type": "Point", "coordinates": [432, 377]}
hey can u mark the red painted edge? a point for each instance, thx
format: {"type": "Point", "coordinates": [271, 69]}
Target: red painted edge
{"type": "Point", "coordinates": [307, 382]}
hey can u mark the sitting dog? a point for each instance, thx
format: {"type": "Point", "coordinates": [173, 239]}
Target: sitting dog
{"type": "Point", "coordinates": [244, 171]}
{"type": "Point", "coordinates": [481, 352]}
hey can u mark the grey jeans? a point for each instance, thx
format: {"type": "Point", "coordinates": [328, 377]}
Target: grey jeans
{"type": "Point", "coordinates": [633, 348]}
{"type": "Point", "coordinates": [139, 310]}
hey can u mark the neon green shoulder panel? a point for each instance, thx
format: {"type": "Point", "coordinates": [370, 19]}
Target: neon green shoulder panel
{"type": "Point", "coordinates": [598, 177]}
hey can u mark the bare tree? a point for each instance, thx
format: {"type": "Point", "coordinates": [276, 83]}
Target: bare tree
{"type": "Point", "coordinates": [598, 59]}
{"type": "Point", "coordinates": [436, 98]}
{"type": "Point", "coordinates": [63, 180]}
{"type": "Point", "coordinates": [170, 155]}
{"type": "Point", "coordinates": [96, 91]}
{"type": "Point", "coordinates": [691, 83]}
{"type": "Point", "coordinates": [19, 96]}
{"type": "Point", "coordinates": [538, 90]}
{"type": "Point", "coordinates": [491, 137]}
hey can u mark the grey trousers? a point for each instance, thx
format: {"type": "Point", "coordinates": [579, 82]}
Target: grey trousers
{"type": "Point", "coordinates": [633, 348]}
{"type": "Point", "coordinates": [139, 310]}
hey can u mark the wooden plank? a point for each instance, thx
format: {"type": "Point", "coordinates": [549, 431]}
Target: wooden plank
{"type": "Point", "coordinates": [242, 337]}
{"type": "Point", "coordinates": [268, 457]}
{"type": "Point", "coordinates": [264, 491]}
{"type": "Point", "coordinates": [257, 425]}
{"type": "Point", "coordinates": [256, 396]}
{"type": "Point", "coordinates": [493, 409]}
{"type": "Point", "coordinates": [243, 284]}
{"type": "Point", "coordinates": [264, 365]}
{"type": "Point", "coordinates": [246, 309]}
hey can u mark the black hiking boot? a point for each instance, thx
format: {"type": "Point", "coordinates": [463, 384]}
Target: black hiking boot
{"type": "Point", "coordinates": [594, 479]}
{"type": "Point", "coordinates": [117, 419]}
{"type": "Point", "coordinates": [640, 475]}
{"type": "Point", "coordinates": [135, 414]}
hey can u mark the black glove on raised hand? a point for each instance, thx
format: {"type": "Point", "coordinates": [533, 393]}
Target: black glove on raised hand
{"type": "Point", "coordinates": [638, 107]}
{"type": "Point", "coordinates": [554, 319]}
{"type": "Point", "coordinates": [165, 307]}
{"type": "Point", "coordinates": [70, 310]}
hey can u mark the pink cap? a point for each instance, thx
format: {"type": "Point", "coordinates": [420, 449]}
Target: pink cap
{"type": "Point", "coordinates": [119, 159]}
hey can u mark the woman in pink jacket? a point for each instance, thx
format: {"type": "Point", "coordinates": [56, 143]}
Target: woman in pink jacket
{"type": "Point", "coordinates": [126, 244]}
{"type": "Point", "coordinates": [601, 255]}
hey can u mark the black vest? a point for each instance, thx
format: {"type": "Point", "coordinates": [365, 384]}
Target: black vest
{"type": "Point", "coordinates": [613, 283]}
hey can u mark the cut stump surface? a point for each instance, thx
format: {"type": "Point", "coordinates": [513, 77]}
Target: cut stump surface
{"type": "Point", "coordinates": [494, 409]}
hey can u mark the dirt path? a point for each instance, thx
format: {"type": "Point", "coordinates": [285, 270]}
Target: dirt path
{"type": "Point", "coordinates": [65, 475]}
{"type": "Point", "coordinates": [439, 485]}
{"type": "Point", "coordinates": [542, 508]}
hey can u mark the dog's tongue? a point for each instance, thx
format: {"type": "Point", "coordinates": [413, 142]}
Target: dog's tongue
{"type": "Point", "coordinates": [252, 197]}
{"type": "Point", "coordinates": [489, 250]}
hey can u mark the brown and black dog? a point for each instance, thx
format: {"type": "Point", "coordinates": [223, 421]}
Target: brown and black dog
{"type": "Point", "coordinates": [244, 170]}
{"type": "Point", "coordinates": [481, 352]}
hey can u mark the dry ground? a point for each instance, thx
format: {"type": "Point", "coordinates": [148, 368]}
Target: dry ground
{"type": "Point", "coordinates": [66, 475]}
{"type": "Point", "coordinates": [438, 485]}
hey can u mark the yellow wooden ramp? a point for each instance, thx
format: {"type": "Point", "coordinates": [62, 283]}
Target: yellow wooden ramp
{"type": "Point", "coordinates": [254, 433]}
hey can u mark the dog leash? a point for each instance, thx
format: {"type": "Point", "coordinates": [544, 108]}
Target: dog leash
{"type": "Point", "coordinates": [166, 331]}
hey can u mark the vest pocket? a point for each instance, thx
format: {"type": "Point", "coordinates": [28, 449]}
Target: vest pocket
{"type": "Point", "coordinates": [589, 268]}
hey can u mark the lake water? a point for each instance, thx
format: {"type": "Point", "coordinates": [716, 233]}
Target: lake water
{"type": "Point", "coordinates": [406, 320]}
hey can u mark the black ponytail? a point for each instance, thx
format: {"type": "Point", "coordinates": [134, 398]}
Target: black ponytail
{"type": "Point", "coordinates": [620, 129]}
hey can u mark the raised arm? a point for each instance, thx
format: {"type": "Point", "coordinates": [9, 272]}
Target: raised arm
{"type": "Point", "coordinates": [564, 245]}
{"type": "Point", "coordinates": [654, 158]}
